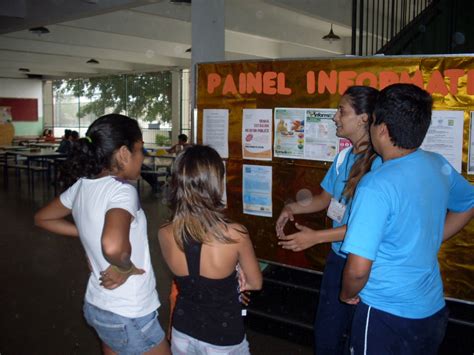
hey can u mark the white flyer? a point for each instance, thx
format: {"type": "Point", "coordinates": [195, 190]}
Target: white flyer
{"type": "Point", "coordinates": [321, 142]}
{"type": "Point", "coordinates": [445, 136]}
{"type": "Point", "coordinates": [257, 134]}
{"type": "Point", "coordinates": [216, 130]}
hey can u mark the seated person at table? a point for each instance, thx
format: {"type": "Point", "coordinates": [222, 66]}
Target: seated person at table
{"type": "Point", "coordinates": [65, 145]}
{"type": "Point", "coordinates": [48, 135]}
{"type": "Point", "coordinates": [181, 145]}
{"type": "Point", "coordinates": [74, 136]}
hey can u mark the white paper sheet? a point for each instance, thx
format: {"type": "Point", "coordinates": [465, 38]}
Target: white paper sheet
{"type": "Point", "coordinates": [216, 130]}
{"type": "Point", "coordinates": [445, 136]}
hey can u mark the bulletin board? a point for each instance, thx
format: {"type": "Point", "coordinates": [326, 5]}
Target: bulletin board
{"type": "Point", "coordinates": [319, 83]}
{"type": "Point", "coordinates": [21, 109]}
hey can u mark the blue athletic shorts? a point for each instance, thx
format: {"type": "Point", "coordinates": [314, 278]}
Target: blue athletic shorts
{"type": "Point", "coordinates": [125, 335]}
{"type": "Point", "coordinates": [375, 332]}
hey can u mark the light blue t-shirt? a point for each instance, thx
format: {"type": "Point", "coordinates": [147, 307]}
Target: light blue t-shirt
{"type": "Point", "coordinates": [397, 221]}
{"type": "Point", "coordinates": [334, 183]}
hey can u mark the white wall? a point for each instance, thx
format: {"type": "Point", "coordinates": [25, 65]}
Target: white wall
{"type": "Point", "coordinates": [25, 89]}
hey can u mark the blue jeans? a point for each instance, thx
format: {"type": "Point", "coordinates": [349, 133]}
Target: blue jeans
{"type": "Point", "coordinates": [182, 344]}
{"type": "Point", "coordinates": [333, 318]}
{"type": "Point", "coordinates": [125, 335]}
{"type": "Point", "coordinates": [375, 332]}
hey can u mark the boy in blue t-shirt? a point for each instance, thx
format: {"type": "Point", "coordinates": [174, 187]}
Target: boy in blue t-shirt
{"type": "Point", "coordinates": [396, 229]}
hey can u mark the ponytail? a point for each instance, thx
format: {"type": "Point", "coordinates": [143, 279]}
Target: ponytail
{"type": "Point", "coordinates": [363, 99]}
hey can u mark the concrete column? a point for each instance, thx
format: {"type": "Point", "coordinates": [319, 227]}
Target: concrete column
{"type": "Point", "coordinates": [208, 37]}
{"type": "Point", "coordinates": [48, 116]}
{"type": "Point", "coordinates": [175, 106]}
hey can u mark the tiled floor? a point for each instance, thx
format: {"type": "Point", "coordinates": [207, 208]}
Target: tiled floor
{"type": "Point", "coordinates": [43, 278]}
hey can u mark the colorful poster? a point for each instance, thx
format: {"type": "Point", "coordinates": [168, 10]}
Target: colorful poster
{"type": "Point", "coordinates": [289, 132]}
{"type": "Point", "coordinates": [470, 159]}
{"type": "Point", "coordinates": [307, 134]}
{"type": "Point", "coordinates": [257, 190]}
{"type": "Point", "coordinates": [445, 136]}
{"type": "Point", "coordinates": [5, 114]}
{"type": "Point", "coordinates": [321, 142]}
{"type": "Point", "coordinates": [215, 130]}
{"type": "Point", "coordinates": [257, 134]}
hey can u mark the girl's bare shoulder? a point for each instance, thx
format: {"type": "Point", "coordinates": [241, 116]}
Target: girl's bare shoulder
{"type": "Point", "coordinates": [237, 231]}
{"type": "Point", "coordinates": [165, 231]}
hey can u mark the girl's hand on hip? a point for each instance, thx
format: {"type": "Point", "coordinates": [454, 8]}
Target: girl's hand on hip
{"type": "Point", "coordinates": [113, 277]}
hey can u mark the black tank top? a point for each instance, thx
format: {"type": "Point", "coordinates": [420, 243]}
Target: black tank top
{"type": "Point", "coordinates": [207, 309]}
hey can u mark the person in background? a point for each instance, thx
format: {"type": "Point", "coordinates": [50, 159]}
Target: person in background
{"type": "Point", "coordinates": [395, 230]}
{"type": "Point", "coordinates": [333, 318]}
{"type": "Point", "coordinates": [48, 136]}
{"type": "Point", "coordinates": [202, 247]}
{"type": "Point", "coordinates": [74, 136]}
{"type": "Point", "coordinates": [65, 145]}
{"type": "Point", "coordinates": [181, 145]}
{"type": "Point", "coordinates": [121, 300]}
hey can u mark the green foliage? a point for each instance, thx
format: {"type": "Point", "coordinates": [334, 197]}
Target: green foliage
{"type": "Point", "coordinates": [146, 96]}
{"type": "Point", "coordinates": [162, 141]}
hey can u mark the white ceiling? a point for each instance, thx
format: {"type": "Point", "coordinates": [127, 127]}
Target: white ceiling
{"type": "Point", "coordinates": [128, 36]}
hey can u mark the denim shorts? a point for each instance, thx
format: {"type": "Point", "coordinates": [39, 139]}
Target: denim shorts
{"type": "Point", "coordinates": [125, 335]}
{"type": "Point", "coordinates": [182, 344]}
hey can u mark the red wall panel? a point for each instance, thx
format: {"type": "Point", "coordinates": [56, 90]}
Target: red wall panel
{"type": "Point", "coordinates": [21, 109]}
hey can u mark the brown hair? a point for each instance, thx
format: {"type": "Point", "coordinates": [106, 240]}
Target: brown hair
{"type": "Point", "coordinates": [362, 99]}
{"type": "Point", "coordinates": [197, 184]}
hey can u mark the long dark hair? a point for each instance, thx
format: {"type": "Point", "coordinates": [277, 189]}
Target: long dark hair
{"type": "Point", "coordinates": [197, 183]}
{"type": "Point", "coordinates": [362, 100]}
{"type": "Point", "coordinates": [94, 153]}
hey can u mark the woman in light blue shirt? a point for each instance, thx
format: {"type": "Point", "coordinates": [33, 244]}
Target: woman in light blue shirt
{"type": "Point", "coordinates": [352, 120]}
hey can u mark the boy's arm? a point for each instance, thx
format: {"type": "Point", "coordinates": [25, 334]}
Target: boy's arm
{"type": "Point", "coordinates": [355, 276]}
{"type": "Point", "coordinates": [455, 222]}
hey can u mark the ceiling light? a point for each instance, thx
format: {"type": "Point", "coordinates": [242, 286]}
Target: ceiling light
{"type": "Point", "coordinates": [331, 36]}
{"type": "Point", "coordinates": [24, 70]}
{"type": "Point", "coordinates": [181, 2]}
{"type": "Point", "coordinates": [92, 61]}
{"type": "Point", "coordinates": [39, 30]}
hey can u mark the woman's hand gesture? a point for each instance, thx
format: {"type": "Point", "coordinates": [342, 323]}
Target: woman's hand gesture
{"type": "Point", "coordinates": [304, 239]}
{"type": "Point", "coordinates": [285, 215]}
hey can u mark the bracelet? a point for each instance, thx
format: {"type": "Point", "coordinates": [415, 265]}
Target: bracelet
{"type": "Point", "coordinates": [116, 268]}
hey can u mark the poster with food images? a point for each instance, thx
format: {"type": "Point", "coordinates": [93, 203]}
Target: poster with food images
{"type": "Point", "coordinates": [289, 132]}
{"type": "Point", "coordinates": [257, 134]}
{"type": "Point", "coordinates": [321, 142]}
{"type": "Point", "coordinates": [306, 134]}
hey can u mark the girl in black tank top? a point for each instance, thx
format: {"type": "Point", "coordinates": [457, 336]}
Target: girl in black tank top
{"type": "Point", "coordinates": [207, 309]}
